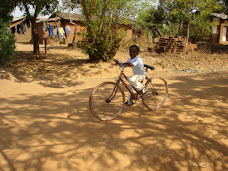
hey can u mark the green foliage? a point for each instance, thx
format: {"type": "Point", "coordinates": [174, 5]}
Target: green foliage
{"type": "Point", "coordinates": [7, 43]}
{"type": "Point", "coordinates": [224, 4]}
{"type": "Point", "coordinates": [200, 30]}
{"type": "Point", "coordinates": [104, 20]}
{"type": "Point", "coordinates": [151, 17]}
{"type": "Point", "coordinates": [100, 45]}
{"type": "Point", "coordinates": [6, 8]}
{"type": "Point", "coordinates": [35, 7]}
{"type": "Point", "coordinates": [195, 13]}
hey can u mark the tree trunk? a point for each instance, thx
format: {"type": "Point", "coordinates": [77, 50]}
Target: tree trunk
{"type": "Point", "coordinates": [158, 31]}
{"type": "Point", "coordinates": [180, 28]}
{"type": "Point", "coordinates": [35, 37]}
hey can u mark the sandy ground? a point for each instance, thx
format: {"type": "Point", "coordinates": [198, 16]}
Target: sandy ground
{"type": "Point", "coordinates": [45, 122]}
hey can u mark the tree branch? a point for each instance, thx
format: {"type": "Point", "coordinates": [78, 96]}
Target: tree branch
{"type": "Point", "coordinates": [103, 15]}
{"type": "Point", "coordinates": [85, 10]}
{"type": "Point", "coordinates": [27, 10]}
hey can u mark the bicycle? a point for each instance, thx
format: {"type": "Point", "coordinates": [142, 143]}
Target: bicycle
{"type": "Point", "coordinates": [107, 100]}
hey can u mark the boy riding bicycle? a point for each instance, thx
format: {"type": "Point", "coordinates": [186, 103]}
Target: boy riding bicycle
{"type": "Point", "coordinates": [137, 65]}
{"type": "Point", "coordinates": [107, 99]}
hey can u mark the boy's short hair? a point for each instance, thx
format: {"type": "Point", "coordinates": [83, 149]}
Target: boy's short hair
{"type": "Point", "coordinates": [134, 46]}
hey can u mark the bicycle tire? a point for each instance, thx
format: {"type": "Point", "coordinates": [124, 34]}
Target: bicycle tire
{"type": "Point", "coordinates": [107, 97]}
{"type": "Point", "coordinates": [155, 87]}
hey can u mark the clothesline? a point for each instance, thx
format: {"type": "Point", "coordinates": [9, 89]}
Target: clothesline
{"type": "Point", "coordinates": [20, 28]}
{"type": "Point", "coordinates": [62, 32]}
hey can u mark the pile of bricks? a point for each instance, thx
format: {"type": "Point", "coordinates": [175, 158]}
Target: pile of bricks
{"type": "Point", "coordinates": [172, 44]}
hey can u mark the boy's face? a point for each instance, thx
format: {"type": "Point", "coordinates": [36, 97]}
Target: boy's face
{"type": "Point", "coordinates": [133, 52]}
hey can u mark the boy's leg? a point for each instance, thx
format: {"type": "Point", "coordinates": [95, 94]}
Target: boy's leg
{"type": "Point", "coordinates": [129, 94]}
{"type": "Point", "coordinates": [135, 81]}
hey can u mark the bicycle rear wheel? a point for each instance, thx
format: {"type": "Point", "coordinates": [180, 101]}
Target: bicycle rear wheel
{"type": "Point", "coordinates": [106, 101]}
{"type": "Point", "coordinates": [156, 93]}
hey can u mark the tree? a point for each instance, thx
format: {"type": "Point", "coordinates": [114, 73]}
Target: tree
{"type": "Point", "coordinates": [151, 19]}
{"type": "Point", "coordinates": [103, 20]}
{"type": "Point", "coordinates": [224, 4]}
{"type": "Point", "coordinates": [7, 42]}
{"type": "Point", "coordinates": [39, 7]}
{"type": "Point", "coordinates": [189, 12]}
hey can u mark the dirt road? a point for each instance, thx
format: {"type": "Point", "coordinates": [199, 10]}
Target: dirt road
{"type": "Point", "coordinates": [45, 122]}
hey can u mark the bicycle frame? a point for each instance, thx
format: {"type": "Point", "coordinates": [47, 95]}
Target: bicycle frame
{"type": "Point", "coordinates": [133, 95]}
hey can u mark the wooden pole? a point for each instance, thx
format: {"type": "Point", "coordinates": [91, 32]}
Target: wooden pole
{"type": "Point", "coordinates": [45, 40]}
{"type": "Point", "coordinates": [186, 45]}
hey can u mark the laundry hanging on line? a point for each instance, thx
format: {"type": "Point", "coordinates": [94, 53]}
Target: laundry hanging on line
{"type": "Point", "coordinates": [13, 29]}
{"type": "Point", "coordinates": [68, 31]}
{"type": "Point", "coordinates": [19, 29]}
{"type": "Point", "coordinates": [44, 26]}
{"type": "Point", "coordinates": [27, 23]}
{"type": "Point", "coordinates": [51, 31]}
{"type": "Point", "coordinates": [58, 35]}
{"type": "Point", "coordinates": [62, 32]}
{"type": "Point", "coordinates": [23, 28]}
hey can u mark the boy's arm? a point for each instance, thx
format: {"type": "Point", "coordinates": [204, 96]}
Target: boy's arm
{"type": "Point", "coordinates": [129, 64]}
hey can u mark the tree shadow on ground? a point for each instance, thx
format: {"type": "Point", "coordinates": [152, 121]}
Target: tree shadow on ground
{"type": "Point", "coordinates": [67, 48]}
{"type": "Point", "coordinates": [25, 43]}
{"type": "Point", "coordinates": [54, 70]}
{"type": "Point", "coordinates": [57, 130]}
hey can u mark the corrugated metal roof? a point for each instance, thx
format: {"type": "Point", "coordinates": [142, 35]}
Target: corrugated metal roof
{"type": "Point", "coordinates": [17, 19]}
{"type": "Point", "coordinates": [48, 20]}
{"type": "Point", "coordinates": [75, 17]}
{"type": "Point", "coordinates": [222, 16]}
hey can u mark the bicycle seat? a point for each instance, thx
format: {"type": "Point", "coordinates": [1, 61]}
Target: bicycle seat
{"type": "Point", "coordinates": [149, 66]}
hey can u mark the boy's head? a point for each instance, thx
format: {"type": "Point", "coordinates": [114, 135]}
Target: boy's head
{"type": "Point", "coordinates": [134, 51]}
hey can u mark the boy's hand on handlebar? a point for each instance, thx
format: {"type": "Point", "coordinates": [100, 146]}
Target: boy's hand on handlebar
{"type": "Point", "coordinates": [128, 64]}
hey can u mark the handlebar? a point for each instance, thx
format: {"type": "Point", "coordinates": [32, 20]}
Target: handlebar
{"type": "Point", "coordinates": [121, 64]}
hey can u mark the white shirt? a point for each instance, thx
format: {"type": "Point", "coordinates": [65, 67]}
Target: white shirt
{"type": "Point", "coordinates": [138, 66]}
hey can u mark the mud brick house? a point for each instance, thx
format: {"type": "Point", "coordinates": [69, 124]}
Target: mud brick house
{"type": "Point", "coordinates": [59, 20]}
{"type": "Point", "coordinates": [220, 29]}
{"type": "Point", "coordinates": [66, 19]}
{"type": "Point", "coordinates": [26, 37]}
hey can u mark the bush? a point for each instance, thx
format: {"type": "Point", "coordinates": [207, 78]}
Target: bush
{"type": "Point", "coordinates": [7, 43]}
{"type": "Point", "coordinates": [101, 44]}
{"type": "Point", "coordinates": [201, 30]}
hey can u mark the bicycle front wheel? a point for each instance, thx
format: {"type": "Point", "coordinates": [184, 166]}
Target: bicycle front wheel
{"type": "Point", "coordinates": [106, 101]}
{"type": "Point", "coordinates": [156, 93]}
